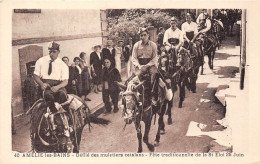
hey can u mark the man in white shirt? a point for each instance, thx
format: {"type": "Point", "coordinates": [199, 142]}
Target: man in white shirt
{"type": "Point", "coordinates": [52, 74]}
{"type": "Point", "coordinates": [173, 32]}
{"type": "Point", "coordinates": [189, 29]}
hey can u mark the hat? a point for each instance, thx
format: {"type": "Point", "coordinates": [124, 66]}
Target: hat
{"type": "Point", "coordinates": [173, 19]}
{"type": "Point", "coordinates": [109, 41]}
{"type": "Point", "coordinates": [53, 46]}
{"type": "Point", "coordinates": [97, 46]}
{"type": "Point", "coordinates": [144, 29]}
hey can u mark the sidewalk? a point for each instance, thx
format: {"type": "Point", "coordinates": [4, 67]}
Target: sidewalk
{"type": "Point", "coordinates": [21, 139]}
{"type": "Point", "coordinates": [235, 100]}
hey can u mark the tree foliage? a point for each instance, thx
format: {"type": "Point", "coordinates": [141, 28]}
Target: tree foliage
{"type": "Point", "coordinates": [128, 22]}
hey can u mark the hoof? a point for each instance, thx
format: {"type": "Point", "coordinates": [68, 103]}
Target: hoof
{"type": "Point", "coordinates": [151, 147]}
{"type": "Point", "coordinates": [169, 121]}
{"type": "Point", "coordinates": [180, 106]}
{"type": "Point", "coordinates": [156, 143]}
{"type": "Point", "coordinates": [139, 151]}
{"type": "Point", "coordinates": [162, 132]}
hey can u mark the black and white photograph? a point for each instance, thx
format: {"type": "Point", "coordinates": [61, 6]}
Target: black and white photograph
{"type": "Point", "coordinates": [130, 82]}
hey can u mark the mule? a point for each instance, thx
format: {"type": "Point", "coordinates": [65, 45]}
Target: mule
{"type": "Point", "coordinates": [210, 45]}
{"type": "Point", "coordinates": [137, 107]}
{"type": "Point", "coordinates": [178, 70]}
{"type": "Point", "coordinates": [193, 65]}
{"type": "Point", "coordinates": [62, 132]}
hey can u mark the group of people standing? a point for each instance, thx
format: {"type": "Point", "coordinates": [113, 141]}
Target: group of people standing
{"type": "Point", "coordinates": [103, 70]}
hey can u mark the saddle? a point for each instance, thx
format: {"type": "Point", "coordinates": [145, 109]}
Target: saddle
{"type": "Point", "coordinates": [77, 110]}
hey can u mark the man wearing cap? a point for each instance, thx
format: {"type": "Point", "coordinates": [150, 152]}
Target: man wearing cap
{"type": "Point", "coordinates": [173, 32]}
{"type": "Point", "coordinates": [144, 57]}
{"type": "Point", "coordinates": [109, 52]}
{"type": "Point", "coordinates": [52, 74]}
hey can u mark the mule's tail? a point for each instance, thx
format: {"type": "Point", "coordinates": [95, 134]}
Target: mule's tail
{"type": "Point", "coordinates": [96, 120]}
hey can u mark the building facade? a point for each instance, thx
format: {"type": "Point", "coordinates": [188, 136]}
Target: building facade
{"type": "Point", "coordinates": [75, 30]}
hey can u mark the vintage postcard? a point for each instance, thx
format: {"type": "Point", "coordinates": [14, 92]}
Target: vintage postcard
{"type": "Point", "coordinates": [119, 81]}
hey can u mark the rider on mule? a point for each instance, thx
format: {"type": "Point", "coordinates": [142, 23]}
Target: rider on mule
{"type": "Point", "coordinates": [52, 74]}
{"type": "Point", "coordinates": [144, 57]}
{"type": "Point", "coordinates": [189, 29]}
{"type": "Point", "coordinates": [205, 27]}
{"type": "Point", "coordinates": [173, 32]}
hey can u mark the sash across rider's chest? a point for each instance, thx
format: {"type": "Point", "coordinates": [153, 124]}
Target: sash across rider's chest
{"type": "Point", "coordinates": [144, 53]}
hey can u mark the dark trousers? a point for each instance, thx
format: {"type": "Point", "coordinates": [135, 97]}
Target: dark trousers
{"type": "Point", "coordinates": [114, 96]}
{"type": "Point", "coordinates": [154, 80]}
{"type": "Point", "coordinates": [50, 97]}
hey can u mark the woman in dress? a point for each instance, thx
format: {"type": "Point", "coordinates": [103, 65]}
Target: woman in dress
{"type": "Point", "coordinates": [85, 76]}
{"type": "Point", "coordinates": [96, 61]}
{"type": "Point", "coordinates": [77, 80]}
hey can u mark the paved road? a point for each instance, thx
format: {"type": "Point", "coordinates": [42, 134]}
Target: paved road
{"type": "Point", "coordinates": [201, 107]}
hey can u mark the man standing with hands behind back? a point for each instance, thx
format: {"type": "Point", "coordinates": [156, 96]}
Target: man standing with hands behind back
{"type": "Point", "coordinates": [52, 74]}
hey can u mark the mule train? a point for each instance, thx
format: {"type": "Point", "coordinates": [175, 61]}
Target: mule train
{"type": "Point", "coordinates": [61, 131]}
{"type": "Point", "coordinates": [176, 70]}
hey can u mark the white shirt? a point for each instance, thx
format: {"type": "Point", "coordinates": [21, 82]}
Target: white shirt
{"type": "Point", "coordinates": [79, 69]}
{"type": "Point", "coordinates": [110, 49]}
{"type": "Point", "coordinates": [201, 16]}
{"type": "Point", "coordinates": [169, 33]}
{"type": "Point", "coordinates": [60, 71]}
{"type": "Point", "coordinates": [208, 26]}
{"type": "Point", "coordinates": [98, 54]}
{"type": "Point", "coordinates": [189, 27]}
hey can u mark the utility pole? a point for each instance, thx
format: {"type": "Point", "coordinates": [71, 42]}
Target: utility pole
{"type": "Point", "coordinates": [243, 50]}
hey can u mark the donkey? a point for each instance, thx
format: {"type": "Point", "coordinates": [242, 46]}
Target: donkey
{"type": "Point", "coordinates": [137, 107]}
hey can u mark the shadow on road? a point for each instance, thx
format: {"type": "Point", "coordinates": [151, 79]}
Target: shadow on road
{"type": "Point", "coordinates": [223, 56]}
{"type": "Point", "coordinates": [227, 71]}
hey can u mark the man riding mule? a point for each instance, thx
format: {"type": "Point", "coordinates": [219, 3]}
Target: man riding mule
{"type": "Point", "coordinates": [173, 33]}
{"type": "Point", "coordinates": [137, 102]}
{"type": "Point", "coordinates": [144, 58]}
{"type": "Point", "coordinates": [178, 58]}
{"type": "Point", "coordinates": [57, 119]}
{"type": "Point", "coordinates": [52, 74]}
{"type": "Point", "coordinates": [190, 31]}
{"type": "Point", "coordinates": [208, 40]}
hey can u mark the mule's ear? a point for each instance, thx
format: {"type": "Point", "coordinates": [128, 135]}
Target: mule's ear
{"type": "Point", "coordinates": [138, 86]}
{"type": "Point", "coordinates": [121, 85]}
